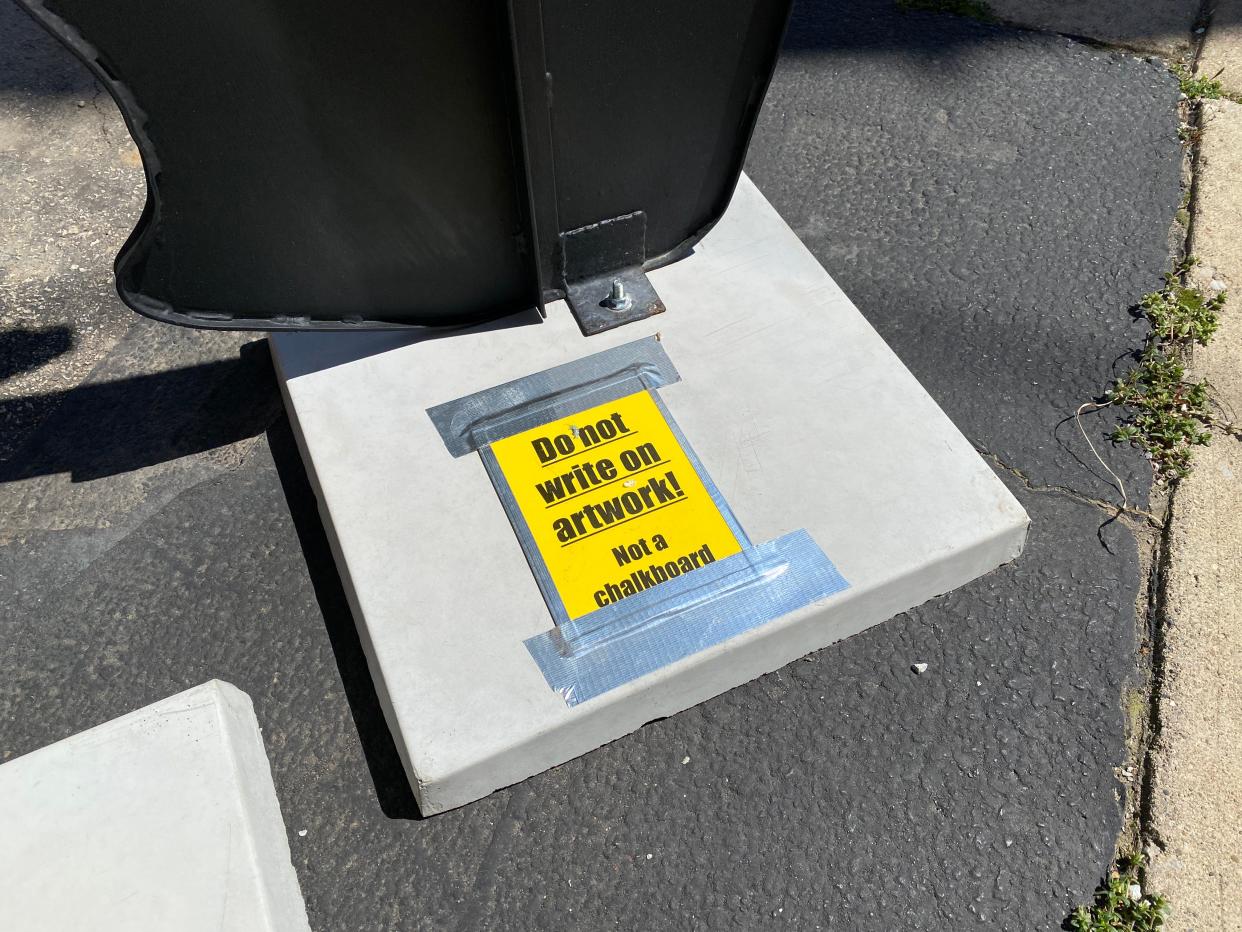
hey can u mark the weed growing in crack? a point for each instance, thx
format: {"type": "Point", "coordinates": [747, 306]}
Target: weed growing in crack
{"type": "Point", "coordinates": [1120, 905]}
{"type": "Point", "coordinates": [975, 9]}
{"type": "Point", "coordinates": [1201, 88]}
{"type": "Point", "coordinates": [1170, 415]}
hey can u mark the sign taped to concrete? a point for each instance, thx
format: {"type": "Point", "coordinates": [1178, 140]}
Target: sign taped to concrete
{"type": "Point", "coordinates": [613, 501]}
{"type": "Point", "coordinates": [638, 556]}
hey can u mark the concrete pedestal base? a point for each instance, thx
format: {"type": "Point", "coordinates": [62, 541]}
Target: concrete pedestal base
{"type": "Point", "coordinates": [798, 410]}
{"type": "Point", "coordinates": [162, 819]}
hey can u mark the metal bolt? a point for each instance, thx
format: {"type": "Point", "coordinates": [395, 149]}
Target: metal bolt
{"type": "Point", "coordinates": [617, 299]}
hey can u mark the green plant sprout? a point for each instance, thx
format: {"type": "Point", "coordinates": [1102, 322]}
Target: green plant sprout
{"type": "Point", "coordinates": [1171, 415]}
{"type": "Point", "coordinates": [1116, 908]}
{"type": "Point", "coordinates": [1198, 87]}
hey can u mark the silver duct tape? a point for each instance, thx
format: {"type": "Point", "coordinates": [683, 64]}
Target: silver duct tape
{"type": "Point", "coordinates": [470, 423]}
{"type": "Point", "coordinates": [585, 658]}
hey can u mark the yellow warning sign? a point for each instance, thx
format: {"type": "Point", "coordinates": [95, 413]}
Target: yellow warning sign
{"type": "Point", "coordinates": [612, 501]}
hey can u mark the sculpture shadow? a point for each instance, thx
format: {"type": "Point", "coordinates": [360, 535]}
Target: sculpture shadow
{"type": "Point", "coordinates": [392, 789]}
{"type": "Point", "coordinates": [22, 350]}
{"type": "Point", "coordinates": [109, 427]}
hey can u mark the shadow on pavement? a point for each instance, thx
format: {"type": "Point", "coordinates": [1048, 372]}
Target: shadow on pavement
{"type": "Point", "coordinates": [31, 60]}
{"type": "Point", "coordinates": [23, 350]}
{"type": "Point", "coordinates": [105, 428]}
{"type": "Point", "coordinates": [384, 762]}
{"type": "Point", "coordinates": [108, 428]}
{"type": "Point", "coordinates": [35, 62]}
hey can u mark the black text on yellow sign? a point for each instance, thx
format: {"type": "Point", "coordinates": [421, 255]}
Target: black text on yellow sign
{"type": "Point", "coordinates": [612, 501]}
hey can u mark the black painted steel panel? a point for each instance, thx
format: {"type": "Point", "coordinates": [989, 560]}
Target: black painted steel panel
{"type": "Point", "coordinates": [382, 164]}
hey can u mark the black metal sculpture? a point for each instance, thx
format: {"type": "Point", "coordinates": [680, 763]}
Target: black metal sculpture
{"type": "Point", "coordinates": [398, 163]}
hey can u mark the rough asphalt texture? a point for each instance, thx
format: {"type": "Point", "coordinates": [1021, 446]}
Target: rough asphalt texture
{"type": "Point", "coordinates": [995, 202]}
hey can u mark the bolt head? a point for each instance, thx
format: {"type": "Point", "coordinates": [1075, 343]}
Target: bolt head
{"type": "Point", "coordinates": [617, 299]}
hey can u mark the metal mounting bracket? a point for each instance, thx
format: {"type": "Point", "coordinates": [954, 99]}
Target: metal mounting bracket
{"type": "Point", "coordinates": [602, 272]}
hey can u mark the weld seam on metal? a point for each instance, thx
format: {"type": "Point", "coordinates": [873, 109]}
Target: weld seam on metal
{"type": "Point", "coordinates": [470, 423]}
{"type": "Point", "coordinates": [618, 643]}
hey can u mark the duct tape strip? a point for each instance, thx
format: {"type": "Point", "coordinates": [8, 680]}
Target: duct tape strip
{"type": "Point", "coordinates": [470, 423]}
{"type": "Point", "coordinates": [587, 657]}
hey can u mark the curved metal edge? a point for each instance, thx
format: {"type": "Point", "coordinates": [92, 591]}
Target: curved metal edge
{"type": "Point", "coordinates": [758, 92]}
{"type": "Point", "coordinates": [127, 256]}
{"type": "Point", "coordinates": [131, 251]}
{"type": "Point", "coordinates": [134, 118]}
{"type": "Point", "coordinates": [209, 320]}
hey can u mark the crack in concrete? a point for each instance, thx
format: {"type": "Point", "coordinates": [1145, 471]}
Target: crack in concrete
{"type": "Point", "coordinates": [1146, 832]}
{"type": "Point", "coordinates": [1143, 830]}
{"type": "Point", "coordinates": [103, 117]}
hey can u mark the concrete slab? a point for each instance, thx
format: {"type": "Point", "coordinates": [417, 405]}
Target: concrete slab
{"type": "Point", "coordinates": [1221, 54]}
{"type": "Point", "coordinates": [1197, 771]}
{"type": "Point", "coordinates": [1197, 774]}
{"type": "Point", "coordinates": [1217, 224]}
{"type": "Point", "coordinates": [800, 412]}
{"type": "Point", "coordinates": [162, 819]}
{"type": "Point", "coordinates": [1159, 26]}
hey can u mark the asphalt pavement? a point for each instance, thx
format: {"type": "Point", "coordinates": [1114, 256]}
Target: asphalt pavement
{"type": "Point", "coordinates": [994, 201]}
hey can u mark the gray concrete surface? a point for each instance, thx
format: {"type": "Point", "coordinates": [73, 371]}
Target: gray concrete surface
{"type": "Point", "coordinates": [996, 223]}
{"type": "Point", "coordinates": [1197, 786]}
{"type": "Point", "coordinates": [1160, 26]}
{"type": "Point", "coordinates": [165, 818]}
{"type": "Point", "coordinates": [1221, 54]}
